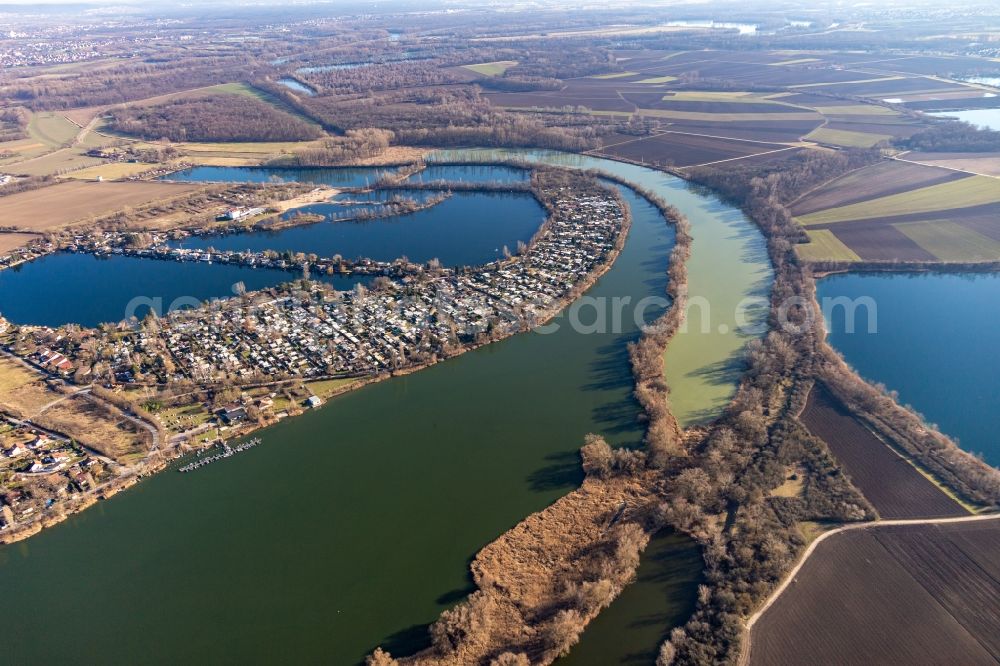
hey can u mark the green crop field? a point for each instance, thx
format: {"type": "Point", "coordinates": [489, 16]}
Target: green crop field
{"type": "Point", "coordinates": [111, 171]}
{"type": "Point", "coordinates": [491, 68]}
{"type": "Point", "coordinates": [846, 138]}
{"type": "Point", "coordinates": [58, 161]}
{"type": "Point", "coordinates": [728, 117]}
{"type": "Point", "coordinates": [855, 110]}
{"type": "Point", "coordinates": [844, 83]}
{"type": "Point", "coordinates": [798, 61]}
{"type": "Point", "coordinates": [949, 241]}
{"type": "Point", "coordinates": [613, 75]}
{"type": "Point", "coordinates": [52, 129]}
{"type": "Point", "coordinates": [964, 193]}
{"type": "Point", "coordinates": [236, 89]}
{"type": "Point", "coordinates": [713, 96]}
{"type": "Point", "coordinates": [824, 246]}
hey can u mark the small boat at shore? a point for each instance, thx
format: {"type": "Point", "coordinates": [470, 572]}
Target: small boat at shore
{"type": "Point", "coordinates": [227, 452]}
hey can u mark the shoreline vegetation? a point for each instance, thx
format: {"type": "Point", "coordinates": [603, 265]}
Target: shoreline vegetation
{"type": "Point", "coordinates": [762, 539]}
{"type": "Point", "coordinates": [163, 457]}
{"type": "Point", "coordinates": [719, 483]}
{"type": "Point", "coordinates": [821, 131]}
{"type": "Point", "coordinates": [713, 483]}
{"type": "Point", "coordinates": [585, 548]}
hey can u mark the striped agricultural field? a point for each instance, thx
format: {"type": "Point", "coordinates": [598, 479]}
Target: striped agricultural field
{"type": "Point", "coordinates": [963, 193]}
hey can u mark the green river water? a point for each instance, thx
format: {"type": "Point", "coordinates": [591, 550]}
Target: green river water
{"type": "Point", "coordinates": [352, 526]}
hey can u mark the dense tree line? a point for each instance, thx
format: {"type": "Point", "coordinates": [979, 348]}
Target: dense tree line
{"type": "Point", "coordinates": [969, 475]}
{"type": "Point", "coordinates": [719, 486]}
{"type": "Point", "coordinates": [952, 137]}
{"type": "Point", "coordinates": [25, 184]}
{"type": "Point", "coordinates": [14, 123]}
{"type": "Point", "coordinates": [129, 81]}
{"type": "Point", "coordinates": [381, 76]}
{"type": "Point", "coordinates": [212, 118]}
{"type": "Point", "coordinates": [398, 110]}
{"type": "Point", "coordinates": [445, 117]}
{"type": "Point", "coordinates": [562, 61]}
{"type": "Point", "coordinates": [744, 457]}
{"type": "Point", "coordinates": [508, 130]}
{"type": "Point", "coordinates": [356, 145]}
{"type": "Point", "coordinates": [663, 434]}
{"type": "Point", "coordinates": [751, 185]}
{"type": "Point", "coordinates": [520, 83]}
{"type": "Point", "coordinates": [749, 450]}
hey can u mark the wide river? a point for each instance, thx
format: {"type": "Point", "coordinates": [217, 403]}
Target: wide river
{"type": "Point", "coordinates": [942, 363]}
{"type": "Point", "coordinates": [352, 526]}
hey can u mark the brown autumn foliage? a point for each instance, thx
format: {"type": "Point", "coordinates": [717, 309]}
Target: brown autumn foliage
{"type": "Point", "coordinates": [663, 434]}
{"type": "Point", "coordinates": [381, 76]}
{"type": "Point", "coordinates": [748, 449]}
{"type": "Point", "coordinates": [25, 184]}
{"type": "Point", "coordinates": [13, 124]}
{"type": "Point", "coordinates": [746, 453]}
{"type": "Point", "coordinates": [540, 583]}
{"type": "Point", "coordinates": [356, 144]}
{"type": "Point", "coordinates": [221, 117]}
{"type": "Point", "coordinates": [952, 137]}
{"type": "Point", "coordinates": [129, 81]}
{"type": "Point", "coordinates": [438, 116]}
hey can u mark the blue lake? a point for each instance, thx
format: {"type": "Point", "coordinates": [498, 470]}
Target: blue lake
{"type": "Point", "coordinates": [937, 344]}
{"type": "Point", "coordinates": [985, 118]}
{"type": "Point", "coordinates": [333, 176]}
{"type": "Point", "coordinates": [471, 173]}
{"type": "Point", "coordinates": [316, 69]}
{"type": "Point", "coordinates": [468, 228]}
{"type": "Point", "coordinates": [297, 86]}
{"type": "Point", "coordinates": [83, 289]}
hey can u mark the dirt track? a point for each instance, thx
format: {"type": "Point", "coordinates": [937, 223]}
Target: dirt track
{"type": "Point", "coordinates": [904, 591]}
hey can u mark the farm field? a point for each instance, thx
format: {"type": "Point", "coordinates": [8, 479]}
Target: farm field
{"type": "Point", "coordinates": [685, 149]}
{"type": "Point", "coordinates": [68, 202]}
{"type": "Point", "coordinates": [728, 117]}
{"type": "Point", "coordinates": [892, 211]}
{"type": "Point", "coordinates": [111, 171]}
{"type": "Point", "coordinates": [14, 240]}
{"type": "Point", "coordinates": [950, 241]}
{"type": "Point", "coordinates": [870, 241]}
{"type": "Point", "coordinates": [894, 486]}
{"type": "Point", "coordinates": [52, 129]}
{"type": "Point", "coordinates": [878, 180]}
{"type": "Point", "coordinates": [491, 68]}
{"type": "Point", "coordinates": [922, 594]}
{"type": "Point", "coordinates": [959, 235]}
{"type": "Point", "coordinates": [846, 138]}
{"type": "Point", "coordinates": [21, 149]}
{"type": "Point", "coordinates": [777, 130]}
{"type": "Point", "coordinates": [47, 132]}
{"type": "Point", "coordinates": [24, 395]}
{"type": "Point", "coordinates": [59, 161]}
{"type": "Point", "coordinates": [737, 102]}
{"type": "Point", "coordinates": [229, 88]}
{"type": "Point", "coordinates": [246, 153]}
{"type": "Point", "coordinates": [987, 164]}
{"type": "Point", "coordinates": [823, 245]}
{"type": "Point", "coordinates": [961, 193]}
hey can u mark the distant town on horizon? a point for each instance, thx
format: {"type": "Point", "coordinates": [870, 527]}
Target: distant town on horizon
{"type": "Point", "coordinates": [500, 334]}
